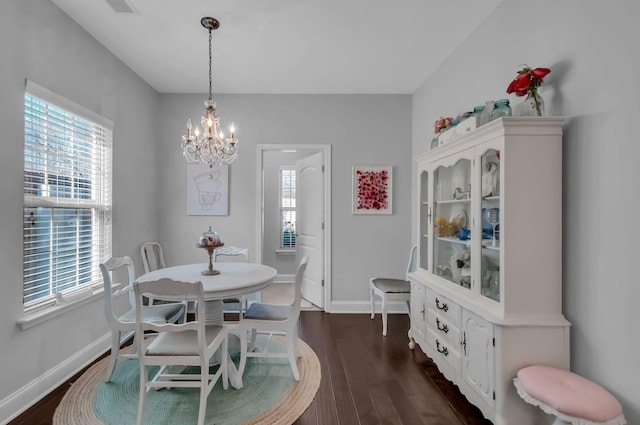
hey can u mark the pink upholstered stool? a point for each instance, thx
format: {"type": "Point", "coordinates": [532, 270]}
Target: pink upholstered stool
{"type": "Point", "coordinates": [570, 397]}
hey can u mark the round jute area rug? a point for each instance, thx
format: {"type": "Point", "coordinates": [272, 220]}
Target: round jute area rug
{"type": "Point", "coordinates": [270, 395]}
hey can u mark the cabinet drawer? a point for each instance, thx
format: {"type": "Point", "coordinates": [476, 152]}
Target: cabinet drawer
{"type": "Point", "coordinates": [443, 327]}
{"type": "Point", "coordinates": [446, 355]}
{"type": "Point", "coordinates": [445, 307]}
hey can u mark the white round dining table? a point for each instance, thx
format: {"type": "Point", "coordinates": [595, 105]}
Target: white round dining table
{"type": "Point", "coordinates": [234, 280]}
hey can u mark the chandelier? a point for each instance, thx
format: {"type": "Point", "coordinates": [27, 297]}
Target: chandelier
{"type": "Point", "coordinates": [211, 147]}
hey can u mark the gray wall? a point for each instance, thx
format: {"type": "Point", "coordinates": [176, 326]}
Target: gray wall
{"type": "Point", "coordinates": [591, 48]}
{"type": "Point", "coordinates": [39, 42]}
{"type": "Point", "coordinates": [350, 124]}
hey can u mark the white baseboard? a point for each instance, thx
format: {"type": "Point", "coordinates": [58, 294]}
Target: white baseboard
{"type": "Point", "coordinates": [285, 278]}
{"type": "Point", "coordinates": [34, 391]}
{"type": "Point", "coordinates": [394, 307]}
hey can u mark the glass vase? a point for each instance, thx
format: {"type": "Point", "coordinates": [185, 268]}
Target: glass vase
{"type": "Point", "coordinates": [485, 115]}
{"type": "Point", "coordinates": [532, 106]}
{"type": "Point", "coordinates": [501, 109]}
{"type": "Point", "coordinates": [434, 142]}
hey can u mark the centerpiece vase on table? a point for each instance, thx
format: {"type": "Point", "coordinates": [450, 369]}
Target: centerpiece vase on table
{"type": "Point", "coordinates": [209, 241]}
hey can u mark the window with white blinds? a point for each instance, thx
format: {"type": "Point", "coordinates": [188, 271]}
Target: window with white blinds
{"type": "Point", "coordinates": [287, 207]}
{"type": "Point", "coordinates": [67, 196]}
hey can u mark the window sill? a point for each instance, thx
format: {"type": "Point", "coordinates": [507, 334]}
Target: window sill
{"type": "Point", "coordinates": [61, 306]}
{"type": "Point", "coordinates": [286, 251]}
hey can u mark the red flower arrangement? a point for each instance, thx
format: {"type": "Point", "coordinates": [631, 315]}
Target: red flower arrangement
{"type": "Point", "coordinates": [527, 82]}
{"type": "Point", "coordinates": [372, 190]}
{"type": "Point", "coordinates": [441, 124]}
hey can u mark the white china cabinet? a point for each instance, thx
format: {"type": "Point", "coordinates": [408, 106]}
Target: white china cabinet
{"type": "Point", "coordinates": [486, 295]}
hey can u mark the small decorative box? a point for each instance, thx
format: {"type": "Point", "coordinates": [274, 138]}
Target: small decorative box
{"type": "Point", "coordinates": [466, 126]}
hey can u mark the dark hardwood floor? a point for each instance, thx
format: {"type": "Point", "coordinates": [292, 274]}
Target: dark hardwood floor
{"type": "Point", "coordinates": [367, 379]}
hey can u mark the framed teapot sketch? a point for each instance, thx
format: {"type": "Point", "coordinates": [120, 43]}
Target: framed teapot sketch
{"type": "Point", "coordinates": [207, 190]}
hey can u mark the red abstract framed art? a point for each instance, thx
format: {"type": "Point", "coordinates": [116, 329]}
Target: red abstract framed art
{"type": "Point", "coordinates": [372, 189]}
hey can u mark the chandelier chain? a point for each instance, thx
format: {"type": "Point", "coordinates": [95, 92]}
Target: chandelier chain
{"type": "Point", "coordinates": [210, 59]}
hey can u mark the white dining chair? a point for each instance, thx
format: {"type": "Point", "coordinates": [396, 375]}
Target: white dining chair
{"type": "Point", "coordinates": [152, 256]}
{"type": "Point", "coordinates": [235, 254]}
{"type": "Point", "coordinates": [392, 289]}
{"type": "Point", "coordinates": [280, 319]}
{"type": "Point", "coordinates": [122, 325]}
{"type": "Point", "coordinates": [153, 259]}
{"type": "Point", "coordinates": [183, 344]}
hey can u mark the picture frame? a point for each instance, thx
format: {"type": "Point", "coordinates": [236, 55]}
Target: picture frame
{"type": "Point", "coordinates": [207, 189]}
{"type": "Point", "coordinates": [372, 189]}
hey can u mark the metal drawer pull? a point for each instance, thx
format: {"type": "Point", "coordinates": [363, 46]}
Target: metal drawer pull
{"type": "Point", "coordinates": [464, 342]}
{"type": "Point", "coordinates": [443, 307]}
{"type": "Point", "coordinates": [442, 350]}
{"type": "Point", "coordinates": [444, 328]}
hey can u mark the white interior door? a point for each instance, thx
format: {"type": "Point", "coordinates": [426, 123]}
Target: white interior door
{"type": "Point", "coordinates": [310, 225]}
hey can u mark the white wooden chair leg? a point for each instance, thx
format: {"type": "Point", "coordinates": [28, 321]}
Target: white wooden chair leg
{"type": "Point", "coordinates": [384, 316]}
{"type": "Point", "coordinates": [292, 358]}
{"type": "Point", "coordinates": [224, 363]}
{"type": "Point", "coordinates": [204, 383]}
{"type": "Point", "coordinates": [115, 349]}
{"type": "Point", "coordinates": [297, 344]}
{"type": "Point", "coordinates": [372, 302]}
{"type": "Point", "coordinates": [243, 352]}
{"type": "Point", "coordinates": [252, 344]}
{"type": "Point", "coordinates": [142, 397]}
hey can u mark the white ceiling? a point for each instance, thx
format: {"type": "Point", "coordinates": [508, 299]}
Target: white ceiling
{"type": "Point", "coordinates": [282, 46]}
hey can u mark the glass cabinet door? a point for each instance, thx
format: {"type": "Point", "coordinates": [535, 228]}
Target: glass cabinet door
{"type": "Point", "coordinates": [490, 216]}
{"type": "Point", "coordinates": [425, 221]}
{"type": "Point", "coordinates": [451, 221]}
